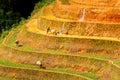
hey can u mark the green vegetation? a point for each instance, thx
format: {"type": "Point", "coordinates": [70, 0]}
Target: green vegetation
{"type": "Point", "coordinates": [27, 48]}
{"type": "Point", "coordinates": [11, 64]}
{"type": "Point", "coordinates": [8, 63]}
{"type": "Point", "coordinates": [53, 51]}
{"type": "Point", "coordinates": [3, 35]}
{"type": "Point", "coordinates": [117, 62]}
{"type": "Point", "coordinates": [43, 3]}
{"type": "Point", "coordinates": [89, 75]}
{"type": "Point", "coordinates": [3, 78]}
{"type": "Point", "coordinates": [11, 42]}
{"type": "Point", "coordinates": [63, 70]}
{"type": "Point", "coordinates": [9, 14]}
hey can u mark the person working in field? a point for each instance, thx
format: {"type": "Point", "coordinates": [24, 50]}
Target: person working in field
{"type": "Point", "coordinates": [48, 29]}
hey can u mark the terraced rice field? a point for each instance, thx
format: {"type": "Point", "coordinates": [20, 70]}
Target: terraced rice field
{"type": "Point", "coordinates": [89, 51]}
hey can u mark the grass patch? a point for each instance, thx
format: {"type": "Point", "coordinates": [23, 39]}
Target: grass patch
{"type": "Point", "coordinates": [42, 3]}
{"type": "Point", "coordinates": [53, 51]}
{"type": "Point", "coordinates": [8, 63]}
{"type": "Point", "coordinates": [117, 62]}
{"type": "Point", "coordinates": [11, 42]}
{"type": "Point", "coordinates": [27, 48]}
{"type": "Point", "coordinates": [89, 75]}
{"type": "Point", "coordinates": [95, 56]}
{"type": "Point", "coordinates": [11, 64]}
{"type": "Point", "coordinates": [4, 78]}
{"type": "Point", "coordinates": [63, 70]}
{"type": "Point", "coordinates": [2, 36]}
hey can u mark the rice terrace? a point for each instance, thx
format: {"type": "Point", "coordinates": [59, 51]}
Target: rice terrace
{"type": "Point", "coordinates": [65, 40]}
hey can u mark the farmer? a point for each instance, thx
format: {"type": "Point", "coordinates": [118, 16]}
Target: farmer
{"type": "Point", "coordinates": [39, 63]}
{"type": "Point", "coordinates": [17, 43]}
{"type": "Point", "coordinates": [48, 29]}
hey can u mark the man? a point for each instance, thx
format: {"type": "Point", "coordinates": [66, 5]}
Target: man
{"type": "Point", "coordinates": [48, 29]}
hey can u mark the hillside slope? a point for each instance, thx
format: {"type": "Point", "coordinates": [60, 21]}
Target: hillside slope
{"type": "Point", "coordinates": [65, 40]}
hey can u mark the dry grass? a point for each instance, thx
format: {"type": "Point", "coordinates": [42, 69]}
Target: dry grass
{"type": "Point", "coordinates": [84, 37]}
{"type": "Point", "coordinates": [96, 2]}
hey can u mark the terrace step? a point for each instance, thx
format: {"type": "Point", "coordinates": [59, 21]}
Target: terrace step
{"type": "Point", "coordinates": [74, 27]}
{"type": "Point", "coordinates": [85, 27]}
{"type": "Point", "coordinates": [96, 3]}
{"type": "Point", "coordinates": [16, 71]}
{"type": "Point", "coordinates": [91, 12]}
